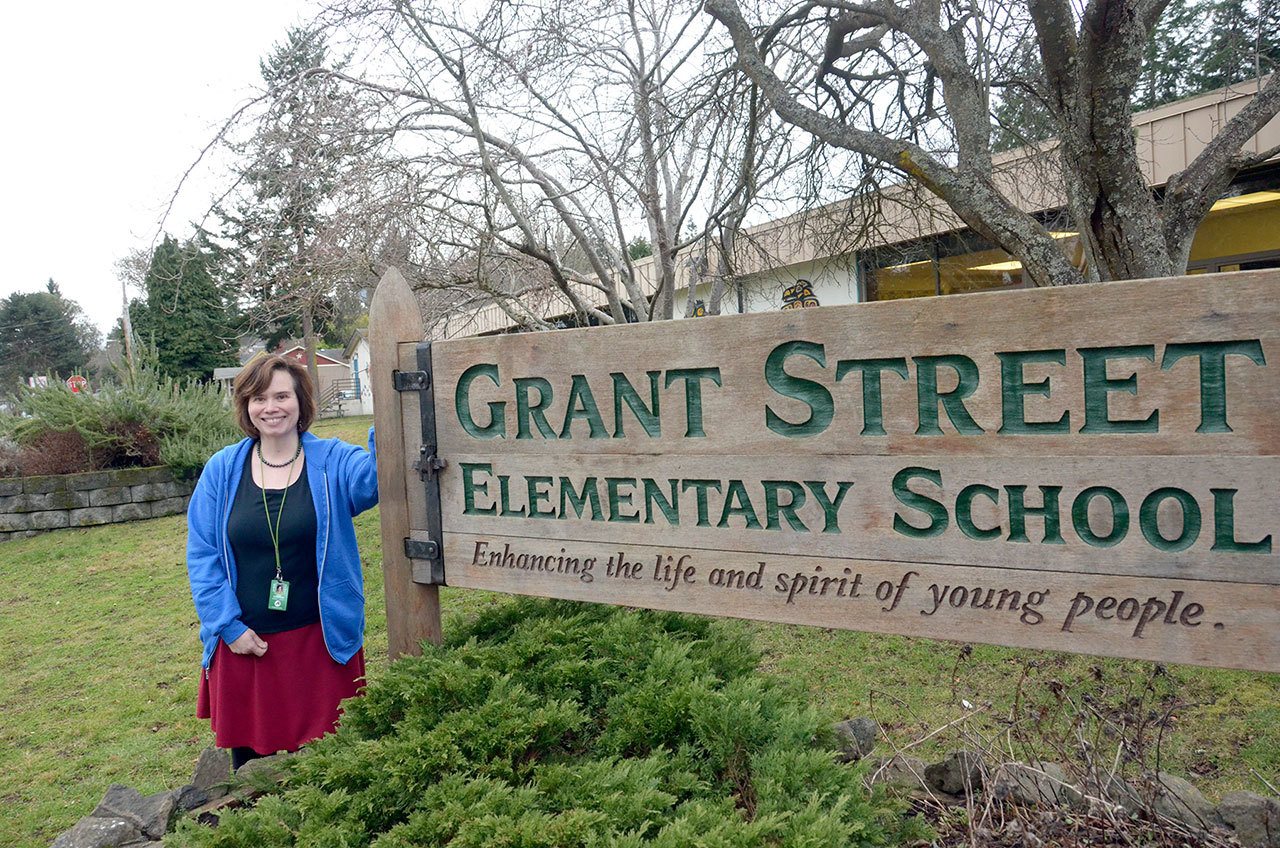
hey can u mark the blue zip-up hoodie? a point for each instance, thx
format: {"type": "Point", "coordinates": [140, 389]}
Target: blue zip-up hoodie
{"type": "Point", "coordinates": [344, 483]}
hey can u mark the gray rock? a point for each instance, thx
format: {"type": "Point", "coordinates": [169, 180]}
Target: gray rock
{"type": "Point", "coordinates": [44, 483]}
{"type": "Point", "coordinates": [213, 772]}
{"type": "Point", "coordinates": [16, 503]}
{"type": "Point", "coordinates": [109, 496]}
{"type": "Point", "coordinates": [90, 516]}
{"type": "Point", "coordinates": [11, 486]}
{"type": "Point", "coordinates": [1043, 784]}
{"type": "Point", "coordinates": [189, 797]}
{"type": "Point", "coordinates": [48, 520]}
{"type": "Point", "coordinates": [59, 500]}
{"type": "Point", "coordinates": [15, 521]}
{"type": "Point", "coordinates": [1118, 793]}
{"type": "Point", "coordinates": [151, 814]}
{"type": "Point", "coordinates": [89, 480]}
{"type": "Point", "coordinates": [1175, 798]}
{"type": "Point", "coordinates": [1255, 819]}
{"type": "Point", "coordinates": [959, 773]}
{"type": "Point", "coordinates": [130, 512]}
{"type": "Point", "coordinates": [856, 738]}
{"type": "Point", "coordinates": [169, 506]}
{"type": "Point", "coordinates": [899, 770]}
{"type": "Point", "coordinates": [272, 767]}
{"type": "Point", "coordinates": [93, 832]}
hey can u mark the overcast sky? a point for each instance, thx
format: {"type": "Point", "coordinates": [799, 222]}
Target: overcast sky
{"type": "Point", "coordinates": [106, 105]}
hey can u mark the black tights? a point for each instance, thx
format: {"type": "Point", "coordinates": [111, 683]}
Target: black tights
{"type": "Point", "coordinates": [240, 756]}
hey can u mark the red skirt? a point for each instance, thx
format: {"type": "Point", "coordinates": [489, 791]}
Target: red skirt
{"type": "Point", "coordinates": [281, 700]}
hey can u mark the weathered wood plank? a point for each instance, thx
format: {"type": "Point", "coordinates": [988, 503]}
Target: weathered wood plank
{"type": "Point", "coordinates": [1232, 625]}
{"type": "Point", "coordinates": [1063, 445]}
{"type": "Point", "coordinates": [413, 610]}
{"type": "Point", "coordinates": [1123, 329]}
{"type": "Point", "coordinates": [694, 502]}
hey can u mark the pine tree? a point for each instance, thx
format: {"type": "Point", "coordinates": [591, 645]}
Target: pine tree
{"type": "Point", "coordinates": [1243, 43]}
{"type": "Point", "coordinates": [43, 333]}
{"type": "Point", "coordinates": [294, 168]}
{"type": "Point", "coordinates": [184, 315]}
{"type": "Point", "coordinates": [1171, 56]}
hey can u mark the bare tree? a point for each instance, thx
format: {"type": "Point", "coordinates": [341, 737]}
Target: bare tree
{"type": "Point", "coordinates": [908, 85]}
{"type": "Point", "coordinates": [534, 141]}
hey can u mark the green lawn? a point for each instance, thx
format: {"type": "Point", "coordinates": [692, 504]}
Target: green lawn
{"type": "Point", "coordinates": [99, 662]}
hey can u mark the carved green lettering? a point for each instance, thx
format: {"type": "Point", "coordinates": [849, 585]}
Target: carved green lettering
{"type": "Point", "coordinates": [830, 506]}
{"type": "Point", "coordinates": [1119, 516]}
{"type": "Point", "coordinates": [504, 498]}
{"type": "Point", "coordinates": [1148, 519]}
{"type": "Point", "coordinates": [936, 511]}
{"type": "Point", "coordinates": [775, 509]}
{"type": "Point", "coordinates": [1014, 389]}
{"type": "Point", "coordinates": [693, 378]}
{"type": "Point", "coordinates": [653, 496]}
{"type": "Point", "coordinates": [736, 503]}
{"type": "Point", "coordinates": [618, 500]}
{"type": "Point", "coordinates": [1224, 526]}
{"type": "Point", "coordinates": [1048, 509]}
{"type": "Point", "coordinates": [812, 394]}
{"type": "Point", "coordinates": [470, 486]}
{"type": "Point", "coordinates": [872, 397]}
{"type": "Point", "coordinates": [496, 428]}
{"type": "Point", "coordinates": [700, 488]}
{"type": "Point", "coordinates": [964, 511]}
{"type": "Point", "coordinates": [535, 412]}
{"type": "Point", "coordinates": [538, 496]}
{"type": "Point", "coordinates": [578, 500]}
{"type": "Point", "coordinates": [929, 398]}
{"type": "Point", "coordinates": [625, 393]}
{"type": "Point", "coordinates": [1213, 375]}
{"type": "Point", "coordinates": [582, 405]}
{"type": "Point", "coordinates": [1097, 386]}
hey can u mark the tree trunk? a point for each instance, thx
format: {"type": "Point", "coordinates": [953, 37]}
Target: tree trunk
{"type": "Point", "coordinates": [309, 344]}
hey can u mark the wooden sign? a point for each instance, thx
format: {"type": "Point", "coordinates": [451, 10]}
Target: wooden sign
{"type": "Point", "coordinates": [1090, 469]}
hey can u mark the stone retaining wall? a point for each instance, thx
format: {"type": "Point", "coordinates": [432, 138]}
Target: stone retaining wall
{"type": "Point", "coordinates": [30, 505]}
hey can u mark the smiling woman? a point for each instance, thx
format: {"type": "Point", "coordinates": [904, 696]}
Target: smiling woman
{"type": "Point", "coordinates": [274, 569]}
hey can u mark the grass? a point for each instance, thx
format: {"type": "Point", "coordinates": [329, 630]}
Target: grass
{"type": "Point", "coordinates": [99, 662]}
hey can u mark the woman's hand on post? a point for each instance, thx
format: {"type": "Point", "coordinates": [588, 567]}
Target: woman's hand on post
{"type": "Point", "coordinates": [249, 643]}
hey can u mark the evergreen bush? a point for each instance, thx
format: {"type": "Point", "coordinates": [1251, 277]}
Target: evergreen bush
{"type": "Point", "coordinates": [145, 418]}
{"type": "Point", "coordinates": [557, 724]}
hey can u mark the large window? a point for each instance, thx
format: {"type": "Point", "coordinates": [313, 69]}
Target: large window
{"type": "Point", "coordinates": [951, 264]}
{"type": "Point", "coordinates": [1241, 233]}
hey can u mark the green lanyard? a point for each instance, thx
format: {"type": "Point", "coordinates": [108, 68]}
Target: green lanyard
{"type": "Point", "coordinates": [278, 595]}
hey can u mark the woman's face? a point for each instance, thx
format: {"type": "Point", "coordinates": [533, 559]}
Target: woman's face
{"type": "Point", "coordinates": [275, 411]}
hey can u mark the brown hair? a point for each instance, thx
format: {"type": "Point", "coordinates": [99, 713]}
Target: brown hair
{"type": "Point", "coordinates": [254, 379]}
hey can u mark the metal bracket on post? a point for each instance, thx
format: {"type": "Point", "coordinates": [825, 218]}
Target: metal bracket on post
{"type": "Point", "coordinates": [428, 466]}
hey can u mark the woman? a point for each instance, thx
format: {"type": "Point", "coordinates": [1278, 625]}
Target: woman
{"type": "Point", "coordinates": [275, 574]}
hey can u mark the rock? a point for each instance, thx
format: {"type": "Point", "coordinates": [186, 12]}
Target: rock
{"type": "Point", "coordinates": [152, 814]}
{"type": "Point", "coordinates": [1117, 794]}
{"type": "Point", "coordinates": [1177, 799]}
{"type": "Point", "coordinates": [190, 796]}
{"type": "Point", "coordinates": [856, 738]}
{"type": "Point", "coordinates": [213, 773]}
{"type": "Point", "coordinates": [94, 832]}
{"type": "Point", "coordinates": [271, 766]}
{"type": "Point", "coordinates": [959, 773]}
{"type": "Point", "coordinates": [1035, 783]}
{"type": "Point", "coordinates": [899, 770]}
{"type": "Point", "coordinates": [1256, 819]}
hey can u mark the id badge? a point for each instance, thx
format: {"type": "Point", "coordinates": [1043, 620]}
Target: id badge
{"type": "Point", "coordinates": [278, 598]}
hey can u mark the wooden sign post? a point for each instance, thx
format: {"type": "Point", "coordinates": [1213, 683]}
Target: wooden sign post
{"type": "Point", "coordinates": [1091, 469]}
{"type": "Point", "coordinates": [413, 608]}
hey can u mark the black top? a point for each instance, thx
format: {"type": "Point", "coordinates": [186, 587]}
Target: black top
{"type": "Point", "coordinates": [255, 556]}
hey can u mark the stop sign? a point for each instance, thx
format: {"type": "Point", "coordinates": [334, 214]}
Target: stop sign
{"type": "Point", "coordinates": [77, 383]}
